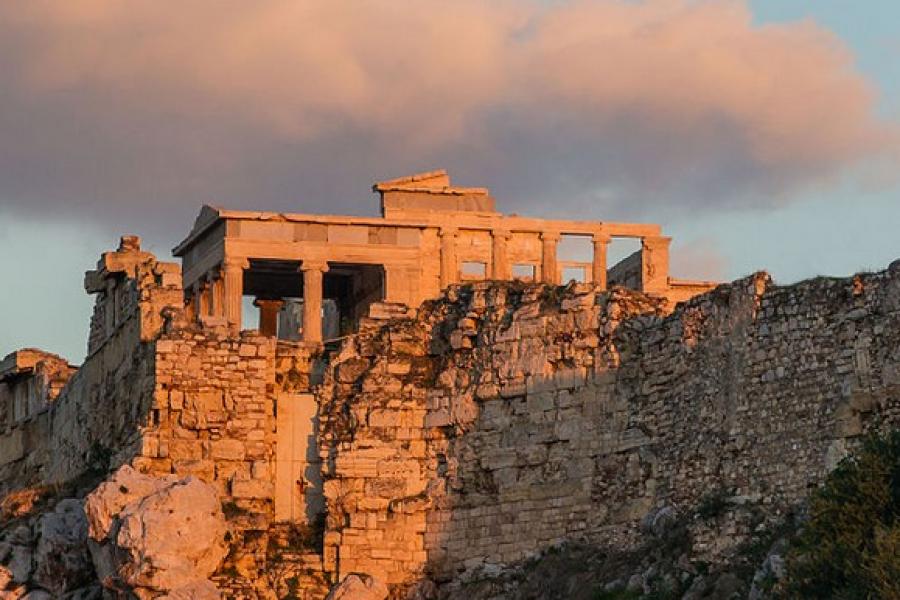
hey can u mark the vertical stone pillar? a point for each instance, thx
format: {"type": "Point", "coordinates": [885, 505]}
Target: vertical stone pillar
{"type": "Point", "coordinates": [655, 265]}
{"type": "Point", "coordinates": [211, 291]}
{"type": "Point", "coordinates": [499, 255]}
{"type": "Point", "coordinates": [268, 315]}
{"type": "Point", "coordinates": [217, 295]}
{"type": "Point", "coordinates": [598, 271]}
{"type": "Point", "coordinates": [312, 299]}
{"type": "Point", "coordinates": [449, 268]}
{"type": "Point", "coordinates": [190, 304]}
{"type": "Point", "coordinates": [233, 281]}
{"type": "Point", "coordinates": [549, 267]}
{"type": "Point", "coordinates": [202, 299]}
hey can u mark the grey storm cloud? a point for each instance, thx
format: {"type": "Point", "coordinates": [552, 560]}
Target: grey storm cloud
{"type": "Point", "coordinates": [138, 111]}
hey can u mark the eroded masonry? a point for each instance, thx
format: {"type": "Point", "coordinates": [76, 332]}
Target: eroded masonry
{"type": "Point", "coordinates": [426, 401]}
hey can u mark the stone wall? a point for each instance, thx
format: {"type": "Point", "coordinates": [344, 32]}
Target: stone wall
{"type": "Point", "coordinates": [505, 419]}
{"type": "Point", "coordinates": [90, 419]}
{"type": "Point", "coordinates": [467, 435]}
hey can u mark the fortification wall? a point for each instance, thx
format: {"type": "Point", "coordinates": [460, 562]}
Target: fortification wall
{"type": "Point", "coordinates": [94, 421]}
{"type": "Point", "coordinates": [505, 419]}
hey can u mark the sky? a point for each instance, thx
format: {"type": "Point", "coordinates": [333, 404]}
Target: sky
{"type": "Point", "coordinates": [762, 134]}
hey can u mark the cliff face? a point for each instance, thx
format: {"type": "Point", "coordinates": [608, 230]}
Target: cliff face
{"type": "Point", "coordinates": [455, 443]}
{"type": "Point", "coordinates": [504, 420]}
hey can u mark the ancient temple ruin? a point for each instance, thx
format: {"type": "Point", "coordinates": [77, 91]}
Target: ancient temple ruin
{"type": "Point", "coordinates": [430, 235]}
{"type": "Point", "coordinates": [437, 393]}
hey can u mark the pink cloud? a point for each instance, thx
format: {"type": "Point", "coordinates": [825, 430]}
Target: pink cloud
{"type": "Point", "coordinates": [700, 258]}
{"type": "Point", "coordinates": [662, 102]}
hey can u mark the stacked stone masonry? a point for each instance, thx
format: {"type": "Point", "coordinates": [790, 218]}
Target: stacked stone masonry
{"type": "Point", "coordinates": [469, 433]}
{"type": "Point", "coordinates": [505, 419]}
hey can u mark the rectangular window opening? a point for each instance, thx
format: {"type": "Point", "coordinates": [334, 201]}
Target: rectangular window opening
{"type": "Point", "coordinates": [523, 272]}
{"type": "Point", "coordinates": [472, 270]}
{"type": "Point", "coordinates": [574, 274]}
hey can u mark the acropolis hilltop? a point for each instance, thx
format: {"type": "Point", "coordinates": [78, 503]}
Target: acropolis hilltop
{"type": "Point", "coordinates": [431, 235]}
{"type": "Point", "coordinates": [431, 403]}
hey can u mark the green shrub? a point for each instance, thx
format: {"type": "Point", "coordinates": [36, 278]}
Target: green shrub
{"type": "Point", "coordinates": [850, 546]}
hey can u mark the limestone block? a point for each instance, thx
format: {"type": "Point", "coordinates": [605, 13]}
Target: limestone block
{"type": "Point", "coordinates": [252, 488]}
{"type": "Point", "coordinates": [227, 450]}
{"type": "Point", "coordinates": [12, 446]}
{"type": "Point", "coordinates": [62, 562]}
{"type": "Point", "coordinates": [358, 586]}
{"type": "Point", "coordinates": [156, 534]}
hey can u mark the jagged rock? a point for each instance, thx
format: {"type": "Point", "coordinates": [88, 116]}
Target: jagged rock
{"type": "Point", "coordinates": [18, 562]}
{"type": "Point", "coordinates": [659, 522]}
{"type": "Point", "coordinates": [125, 487]}
{"type": "Point", "coordinates": [5, 577]}
{"type": "Point", "coordinates": [162, 534]}
{"type": "Point", "coordinates": [772, 569]}
{"type": "Point", "coordinates": [38, 595]}
{"type": "Point", "coordinates": [728, 587]}
{"type": "Point", "coordinates": [358, 586]}
{"type": "Point", "coordinates": [196, 590]}
{"type": "Point", "coordinates": [92, 592]}
{"type": "Point", "coordinates": [61, 559]}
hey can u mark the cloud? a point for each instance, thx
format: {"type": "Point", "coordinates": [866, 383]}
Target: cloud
{"type": "Point", "coordinates": [139, 111]}
{"type": "Point", "coordinates": [699, 258]}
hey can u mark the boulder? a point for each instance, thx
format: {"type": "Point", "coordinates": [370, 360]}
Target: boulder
{"type": "Point", "coordinates": [156, 535]}
{"type": "Point", "coordinates": [61, 559]}
{"type": "Point", "coordinates": [17, 562]}
{"type": "Point", "coordinates": [358, 586]}
{"type": "Point", "coordinates": [127, 486]}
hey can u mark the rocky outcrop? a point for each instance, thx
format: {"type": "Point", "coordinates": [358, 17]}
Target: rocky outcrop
{"type": "Point", "coordinates": [356, 586]}
{"type": "Point", "coordinates": [62, 561]}
{"type": "Point", "coordinates": [43, 553]}
{"type": "Point", "coordinates": [156, 535]}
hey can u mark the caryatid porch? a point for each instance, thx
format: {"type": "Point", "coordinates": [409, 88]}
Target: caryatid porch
{"type": "Point", "coordinates": [430, 235]}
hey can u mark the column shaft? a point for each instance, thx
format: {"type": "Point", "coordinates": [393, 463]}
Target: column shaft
{"type": "Point", "coordinates": [233, 280]}
{"type": "Point", "coordinates": [268, 315]}
{"type": "Point", "coordinates": [218, 295]}
{"type": "Point", "coordinates": [655, 265]}
{"type": "Point", "coordinates": [202, 296]}
{"type": "Point", "coordinates": [312, 300]}
{"type": "Point", "coordinates": [500, 255]}
{"type": "Point", "coordinates": [549, 268]}
{"type": "Point", "coordinates": [598, 274]}
{"type": "Point", "coordinates": [449, 268]}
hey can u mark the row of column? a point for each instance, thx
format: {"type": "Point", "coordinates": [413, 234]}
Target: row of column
{"type": "Point", "coordinates": [220, 294]}
{"type": "Point", "coordinates": [500, 267]}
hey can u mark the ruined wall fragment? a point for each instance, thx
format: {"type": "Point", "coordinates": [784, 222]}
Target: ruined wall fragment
{"type": "Point", "coordinates": [551, 414]}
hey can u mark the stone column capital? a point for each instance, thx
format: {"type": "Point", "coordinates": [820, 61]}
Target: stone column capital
{"type": "Point", "coordinates": [550, 236]}
{"type": "Point", "coordinates": [501, 234]}
{"type": "Point", "coordinates": [448, 232]}
{"type": "Point", "coordinates": [314, 265]}
{"type": "Point", "coordinates": [233, 263]}
{"type": "Point", "coordinates": [601, 238]}
{"type": "Point", "coordinates": [261, 302]}
{"type": "Point", "coordinates": [656, 240]}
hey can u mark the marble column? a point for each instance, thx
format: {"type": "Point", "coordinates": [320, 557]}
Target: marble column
{"type": "Point", "coordinates": [214, 294]}
{"type": "Point", "coordinates": [500, 269]}
{"type": "Point", "coordinates": [313, 272]}
{"type": "Point", "coordinates": [655, 264]}
{"type": "Point", "coordinates": [549, 267]}
{"type": "Point", "coordinates": [449, 268]}
{"type": "Point", "coordinates": [233, 293]}
{"type": "Point", "coordinates": [217, 295]}
{"type": "Point", "coordinates": [598, 271]}
{"type": "Point", "coordinates": [268, 315]}
{"type": "Point", "coordinates": [202, 297]}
